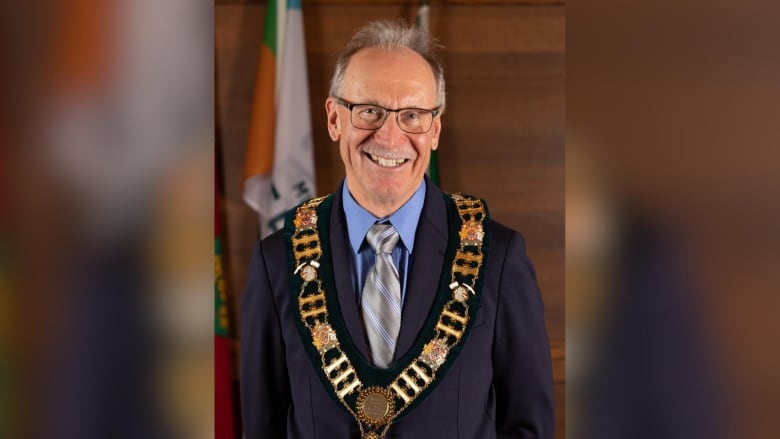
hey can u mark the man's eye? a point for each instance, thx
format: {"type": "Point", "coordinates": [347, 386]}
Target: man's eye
{"type": "Point", "coordinates": [411, 116]}
{"type": "Point", "coordinates": [371, 111]}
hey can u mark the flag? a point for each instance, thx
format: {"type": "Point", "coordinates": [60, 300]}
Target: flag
{"type": "Point", "coordinates": [422, 24]}
{"type": "Point", "coordinates": [224, 419]}
{"type": "Point", "coordinates": [279, 164]}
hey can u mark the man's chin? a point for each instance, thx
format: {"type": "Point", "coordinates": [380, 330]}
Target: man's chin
{"type": "Point", "coordinates": [387, 194]}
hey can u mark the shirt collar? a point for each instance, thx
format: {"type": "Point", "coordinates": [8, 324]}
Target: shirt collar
{"type": "Point", "coordinates": [405, 219]}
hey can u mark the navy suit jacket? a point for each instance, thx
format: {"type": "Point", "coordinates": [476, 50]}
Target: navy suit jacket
{"type": "Point", "coordinates": [500, 385]}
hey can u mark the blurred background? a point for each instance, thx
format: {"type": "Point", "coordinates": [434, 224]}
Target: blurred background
{"type": "Point", "coordinates": [107, 263]}
{"type": "Point", "coordinates": [114, 299]}
{"type": "Point", "coordinates": [671, 219]}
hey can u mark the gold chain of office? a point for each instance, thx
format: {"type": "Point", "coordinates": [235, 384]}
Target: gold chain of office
{"type": "Point", "coordinates": [376, 407]}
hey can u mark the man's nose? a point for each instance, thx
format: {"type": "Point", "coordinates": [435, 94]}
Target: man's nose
{"type": "Point", "coordinates": [390, 134]}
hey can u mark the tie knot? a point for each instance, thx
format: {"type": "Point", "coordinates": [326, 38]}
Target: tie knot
{"type": "Point", "coordinates": [382, 238]}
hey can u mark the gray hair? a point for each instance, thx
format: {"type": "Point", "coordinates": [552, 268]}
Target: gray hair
{"type": "Point", "coordinates": [391, 35]}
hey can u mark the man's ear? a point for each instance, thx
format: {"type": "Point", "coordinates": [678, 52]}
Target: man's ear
{"type": "Point", "coordinates": [435, 133]}
{"type": "Point", "coordinates": [334, 124]}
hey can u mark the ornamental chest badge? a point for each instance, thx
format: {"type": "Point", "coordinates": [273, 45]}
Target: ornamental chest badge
{"type": "Point", "coordinates": [305, 219]}
{"type": "Point", "coordinates": [375, 406]}
{"type": "Point", "coordinates": [434, 353]}
{"type": "Point", "coordinates": [323, 337]}
{"type": "Point", "coordinates": [308, 270]}
{"type": "Point", "coordinates": [471, 233]}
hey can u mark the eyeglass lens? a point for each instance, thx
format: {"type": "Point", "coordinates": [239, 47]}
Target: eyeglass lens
{"type": "Point", "coordinates": [411, 120]}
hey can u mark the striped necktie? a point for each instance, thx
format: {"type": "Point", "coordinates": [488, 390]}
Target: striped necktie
{"type": "Point", "coordinates": [381, 302]}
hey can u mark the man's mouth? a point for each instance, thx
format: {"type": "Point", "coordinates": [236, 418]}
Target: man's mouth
{"type": "Point", "coordinates": [386, 162]}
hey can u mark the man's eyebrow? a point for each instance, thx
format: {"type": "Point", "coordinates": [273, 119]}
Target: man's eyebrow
{"type": "Point", "coordinates": [370, 102]}
{"type": "Point", "coordinates": [376, 103]}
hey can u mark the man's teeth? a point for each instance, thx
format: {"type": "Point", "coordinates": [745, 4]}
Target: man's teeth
{"type": "Point", "coordinates": [387, 163]}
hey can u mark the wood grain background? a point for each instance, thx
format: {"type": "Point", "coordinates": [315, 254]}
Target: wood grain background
{"type": "Point", "coordinates": [502, 135]}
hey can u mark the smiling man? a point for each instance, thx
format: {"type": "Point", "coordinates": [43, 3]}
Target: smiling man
{"type": "Point", "coordinates": [383, 111]}
{"type": "Point", "coordinates": [389, 308]}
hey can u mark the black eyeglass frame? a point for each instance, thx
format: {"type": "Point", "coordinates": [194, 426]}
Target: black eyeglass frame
{"type": "Point", "coordinates": [350, 105]}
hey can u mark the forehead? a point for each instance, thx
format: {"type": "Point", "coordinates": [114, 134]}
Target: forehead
{"type": "Point", "coordinates": [390, 74]}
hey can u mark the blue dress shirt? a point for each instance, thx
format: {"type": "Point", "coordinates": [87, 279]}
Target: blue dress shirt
{"type": "Point", "coordinates": [359, 220]}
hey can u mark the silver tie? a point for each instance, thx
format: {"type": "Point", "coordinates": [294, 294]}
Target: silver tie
{"type": "Point", "coordinates": [381, 302]}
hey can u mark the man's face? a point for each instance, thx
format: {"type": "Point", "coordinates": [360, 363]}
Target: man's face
{"type": "Point", "coordinates": [384, 167]}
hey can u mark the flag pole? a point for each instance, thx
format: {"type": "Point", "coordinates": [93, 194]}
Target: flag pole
{"type": "Point", "coordinates": [423, 24]}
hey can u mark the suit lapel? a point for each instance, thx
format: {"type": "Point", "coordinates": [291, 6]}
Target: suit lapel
{"type": "Point", "coordinates": [425, 270]}
{"type": "Point", "coordinates": [343, 269]}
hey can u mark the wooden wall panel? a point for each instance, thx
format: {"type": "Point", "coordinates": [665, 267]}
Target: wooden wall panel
{"type": "Point", "coordinates": [503, 131]}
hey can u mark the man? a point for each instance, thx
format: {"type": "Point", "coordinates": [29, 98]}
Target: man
{"type": "Point", "coordinates": [389, 309]}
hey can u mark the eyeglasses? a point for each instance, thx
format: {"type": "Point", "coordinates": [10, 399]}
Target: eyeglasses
{"type": "Point", "coordinates": [373, 117]}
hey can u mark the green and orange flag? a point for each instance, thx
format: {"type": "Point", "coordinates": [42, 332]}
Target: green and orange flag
{"type": "Point", "coordinates": [279, 163]}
